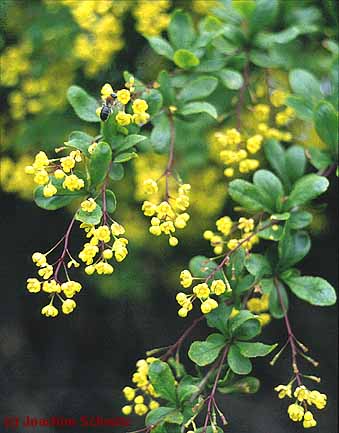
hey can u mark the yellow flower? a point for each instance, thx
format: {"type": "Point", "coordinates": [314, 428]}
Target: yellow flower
{"type": "Point", "coordinates": [72, 183]}
{"type": "Point", "coordinates": [51, 287]}
{"type": "Point", "coordinates": [261, 112]}
{"type": "Point", "coordinates": [70, 288]}
{"type": "Point", "coordinates": [201, 290]}
{"type": "Point", "coordinates": [233, 136]}
{"type": "Point", "coordinates": [59, 174]}
{"type": "Point", "coordinates": [253, 144]}
{"type": "Point", "coordinates": [41, 160]}
{"type": "Point", "coordinates": [126, 410]}
{"type": "Point", "coordinates": [140, 118]}
{"type": "Point", "coordinates": [46, 272]}
{"type": "Point", "coordinates": [49, 311]}
{"type": "Point", "coordinates": [49, 190]}
{"type": "Point", "coordinates": [186, 278]}
{"type": "Point", "coordinates": [41, 177]}
{"type": "Point", "coordinates": [68, 306]}
{"type": "Point", "coordinates": [67, 163]}
{"type": "Point", "coordinates": [33, 285]}
{"type": "Point", "coordinates": [123, 96]}
{"type": "Point", "coordinates": [153, 405]}
{"type": "Point", "coordinates": [295, 412]}
{"type": "Point", "coordinates": [173, 241]}
{"type": "Point", "coordinates": [301, 393]}
{"type": "Point", "coordinates": [106, 90]}
{"type": "Point", "coordinates": [208, 305]}
{"type": "Point", "coordinates": [139, 106]}
{"type": "Point", "coordinates": [150, 186]}
{"type": "Point", "coordinates": [309, 421]}
{"type": "Point", "coordinates": [39, 259]}
{"type": "Point", "coordinates": [123, 118]}
{"type": "Point", "coordinates": [224, 225]}
{"type": "Point", "coordinates": [218, 287]}
{"type": "Point", "coordinates": [284, 390]}
{"type": "Point", "coordinates": [117, 229]}
{"type": "Point", "coordinates": [103, 233]}
{"type": "Point", "coordinates": [229, 172]}
{"type": "Point", "coordinates": [318, 399]}
{"type": "Point", "coordinates": [140, 409]}
{"type": "Point", "coordinates": [88, 205]}
{"type": "Point", "coordinates": [278, 98]}
{"type": "Point", "coordinates": [129, 393]}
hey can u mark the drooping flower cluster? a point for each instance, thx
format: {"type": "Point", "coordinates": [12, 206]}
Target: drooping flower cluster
{"type": "Point", "coordinates": [169, 214]}
{"type": "Point", "coordinates": [226, 227]}
{"type": "Point", "coordinates": [202, 291]}
{"type": "Point", "coordinates": [141, 398]}
{"type": "Point", "coordinates": [105, 242]}
{"type": "Point", "coordinates": [130, 109]}
{"type": "Point", "coordinates": [298, 411]}
{"type": "Point", "coordinates": [56, 173]}
{"type": "Point", "coordinates": [239, 150]}
{"type": "Point", "coordinates": [51, 284]}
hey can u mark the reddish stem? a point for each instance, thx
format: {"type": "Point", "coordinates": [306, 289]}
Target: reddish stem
{"type": "Point", "coordinates": [64, 251]}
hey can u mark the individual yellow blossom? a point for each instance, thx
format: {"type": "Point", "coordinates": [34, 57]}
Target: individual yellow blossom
{"type": "Point", "coordinates": [67, 163]}
{"type": "Point", "coordinates": [140, 118]}
{"type": "Point", "coordinates": [33, 285]}
{"type": "Point", "coordinates": [301, 393]}
{"type": "Point", "coordinates": [139, 106]}
{"type": "Point", "coordinates": [88, 205]}
{"type": "Point", "coordinates": [41, 160]}
{"type": "Point", "coordinates": [224, 225]}
{"type": "Point", "coordinates": [117, 229]}
{"type": "Point", "coordinates": [46, 272]}
{"type": "Point", "coordinates": [208, 234]}
{"type": "Point", "coordinates": [295, 412]}
{"type": "Point", "coordinates": [88, 253]}
{"type": "Point", "coordinates": [140, 409]}
{"type": "Point", "coordinates": [173, 241]}
{"type": "Point", "coordinates": [123, 119]}
{"type": "Point", "coordinates": [264, 319]}
{"type": "Point", "coordinates": [70, 288]}
{"type": "Point", "coordinates": [51, 287]}
{"type": "Point", "coordinates": [106, 90]}
{"type": "Point", "coordinates": [284, 391]}
{"type": "Point", "coordinates": [201, 290]}
{"type": "Point", "coordinates": [68, 306]}
{"type": "Point", "coordinates": [49, 311]}
{"type": "Point", "coordinates": [234, 313]}
{"type": "Point", "coordinates": [59, 174]}
{"type": "Point", "coordinates": [73, 183]}
{"type": "Point", "coordinates": [129, 393]}
{"type": "Point", "coordinates": [149, 208]}
{"type": "Point", "coordinates": [186, 278]}
{"type": "Point", "coordinates": [233, 136]}
{"type": "Point", "coordinates": [104, 268]}
{"type": "Point", "coordinates": [218, 287]}
{"type": "Point", "coordinates": [278, 98]}
{"type": "Point", "coordinates": [107, 254]}
{"type": "Point", "coordinates": [103, 234]}
{"type": "Point", "coordinates": [208, 305]}
{"type": "Point", "coordinates": [261, 112]}
{"type": "Point", "coordinates": [41, 177]}
{"type": "Point", "coordinates": [49, 190]}
{"type": "Point", "coordinates": [150, 186]}
{"type": "Point", "coordinates": [229, 172]}
{"type": "Point", "coordinates": [309, 421]}
{"type": "Point", "coordinates": [92, 147]}
{"type": "Point", "coordinates": [153, 405]}
{"type": "Point", "coordinates": [254, 143]}
{"type": "Point", "coordinates": [39, 259]}
{"type": "Point", "coordinates": [232, 243]}
{"type": "Point", "coordinates": [248, 165]}
{"type": "Point", "coordinates": [247, 225]}
{"type": "Point", "coordinates": [127, 410]}
{"type": "Point", "coordinates": [123, 96]}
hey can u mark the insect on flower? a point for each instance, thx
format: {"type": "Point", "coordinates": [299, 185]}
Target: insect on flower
{"type": "Point", "coordinates": [107, 106]}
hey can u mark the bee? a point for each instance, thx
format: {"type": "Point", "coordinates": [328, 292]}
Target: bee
{"type": "Point", "coordinates": [107, 106]}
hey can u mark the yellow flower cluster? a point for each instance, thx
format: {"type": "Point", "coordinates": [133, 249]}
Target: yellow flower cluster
{"type": "Point", "coordinates": [16, 63]}
{"type": "Point", "coordinates": [151, 17]}
{"type": "Point", "coordinates": [124, 96]}
{"type": "Point", "coordinates": [203, 7]}
{"type": "Point", "coordinates": [48, 171]}
{"type": "Point", "coordinates": [14, 178]}
{"type": "Point", "coordinates": [226, 227]}
{"type": "Point", "coordinates": [298, 411]}
{"type": "Point", "coordinates": [201, 291]}
{"type": "Point", "coordinates": [98, 251]}
{"type": "Point", "coordinates": [52, 286]}
{"type": "Point", "coordinates": [144, 390]}
{"type": "Point", "coordinates": [260, 306]}
{"type": "Point", "coordinates": [168, 215]}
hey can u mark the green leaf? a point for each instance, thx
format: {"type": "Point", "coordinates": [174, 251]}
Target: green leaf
{"type": "Point", "coordinates": [326, 124]}
{"type": "Point", "coordinates": [303, 107]}
{"type": "Point", "coordinates": [258, 265]}
{"type": "Point", "coordinates": [130, 141]}
{"type": "Point", "coordinates": [202, 267]}
{"type": "Point", "coordinates": [247, 195]}
{"type": "Point", "coordinates": [99, 163]}
{"type": "Point", "coordinates": [238, 363]}
{"type": "Point", "coordinates": [300, 219]}
{"type": "Point", "coordinates": [205, 352]}
{"type": "Point", "coordinates": [275, 306]}
{"type": "Point", "coordinates": [295, 162]}
{"type": "Point", "coordinates": [264, 14]}
{"type": "Point", "coordinates": [164, 414]}
{"type": "Point", "coordinates": [218, 317]}
{"type": "Point", "coordinates": [292, 248]}
{"type": "Point", "coordinates": [275, 155]}
{"type": "Point", "coordinates": [198, 88]}
{"type": "Point", "coordinates": [89, 217]}
{"type": "Point", "coordinates": [62, 199]}
{"type": "Point", "coordinates": [163, 380]}
{"type": "Point", "coordinates": [238, 320]}
{"type": "Point", "coordinates": [180, 31]}
{"type": "Point", "coordinates": [116, 172]}
{"type": "Point", "coordinates": [262, 59]}
{"type": "Point", "coordinates": [80, 140]}
{"type": "Point", "coordinates": [248, 330]}
{"type": "Point", "coordinates": [252, 350]}
{"type": "Point", "coordinates": [161, 133]}
{"type": "Point", "coordinates": [161, 46]}
{"type": "Point", "coordinates": [247, 385]}
{"type": "Point", "coordinates": [185, 59]}
{"type": "Point", "coordinates": [305, 84]}
{"type": "Point", "coordinates": [231, 79]}
{"type": "Point", "coordinates": [270, 188]}
{"type": "Point", "coordinates": [186, 389]}
{"type": "Point", "coordinates": [244, 284]}
{"type": "Point", "coordinates": [111, 201]}
{"type": "Point", "coordinates": [314, 290]}
{"type": "Point", "coordinates": [269, 233]}
{"type": "Point", "coordinates": [124, 157]}
{"type": "Point", "coordinates": [306, 189]}
{"type": "Point", "coordinates": [211, 65]}
{"type": "Point", "coordinates": [84, 105]}
{"type": "Point", "coordinates": [199, 107]}
{"type": "Point", "coordinates": [320, 159]}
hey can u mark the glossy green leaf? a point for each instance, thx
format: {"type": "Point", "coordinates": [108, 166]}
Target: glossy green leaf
{"type": "Point", "coordinates": [302, 106]}
{"type": "Point", "coordinates": [305, 84]}
{"type": "Point", "coordinates": [199, 107]}
{"type": "Point", "coordinates": [164, 414]}
{"type": "Point", "coordinates": [300, 219]}
{"type": "Point", "coordinates": [80, 140]}
{"type": "Point", "coordinates": [238, 363]}
{"type": "Point", "coordinates": [293, 247]}
{"type": "Point", "coordinates": [84, 105]}
{"type": "Point", "coordinates": [253, 350]}
{"type": "Point", "coordinates": [270, 188]}
{"type": "Point", "coordinates": [264, 14]}
{"type": "Point", "coordinates": [320, 159]}
{"type": "Point", "coordinates": [116, 172]}
{"type": "Point", "coordinates": [62, 199]}
{"type": "Point", "coordinates": [295, 162]}
{"type": "Point", "coordinates": [181, 31]}
{"type": "Point", "coordinates": [161, 133]}
{"type": "Point", "coordinates": [231, 79]}
{"type": "Point", "coordinates": [89, 217]}
{"type": "Point", "coordinates": [306, 189]}
{"type": "Point", "coordinates": [163, 380]}
{"type": "Point", "coordinates": [248, 195]}
{"type": "Point", "coordinates": [326, 124]}
{"type": "Point", "coordinates": [124, 157]}
{"type": "Point", "coordinates": [314, 290]}
{"type": "Point", "coordinates": [202, 267]}
{"type": "Point", "coordinates": [205, 352]}
{"type": "Point", "coordinates": [218, 317]}
{"type": "Point", "coordinates": [275, 155]}
{"type": "Point", "coordinates": [166, 88]}
{"type": "Point", "coordinates": [185, 59]}
{"type": "Point", "coordinates": [154, 99]}
{"type": "Point", "coordinates": [275, 306]}
{"type": "Point", "coordinates": [199, 88]}
{"type": "Point", "coordinates": [247, 385]}
{"type": "Point", "coordinates": [99, 163]}
{"type": "Point", "coordinates": [161, 46]}
{"type": "Point", "coordinates": [130, 141]}
{"type": "Point", "coordinates": [258, 265]}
